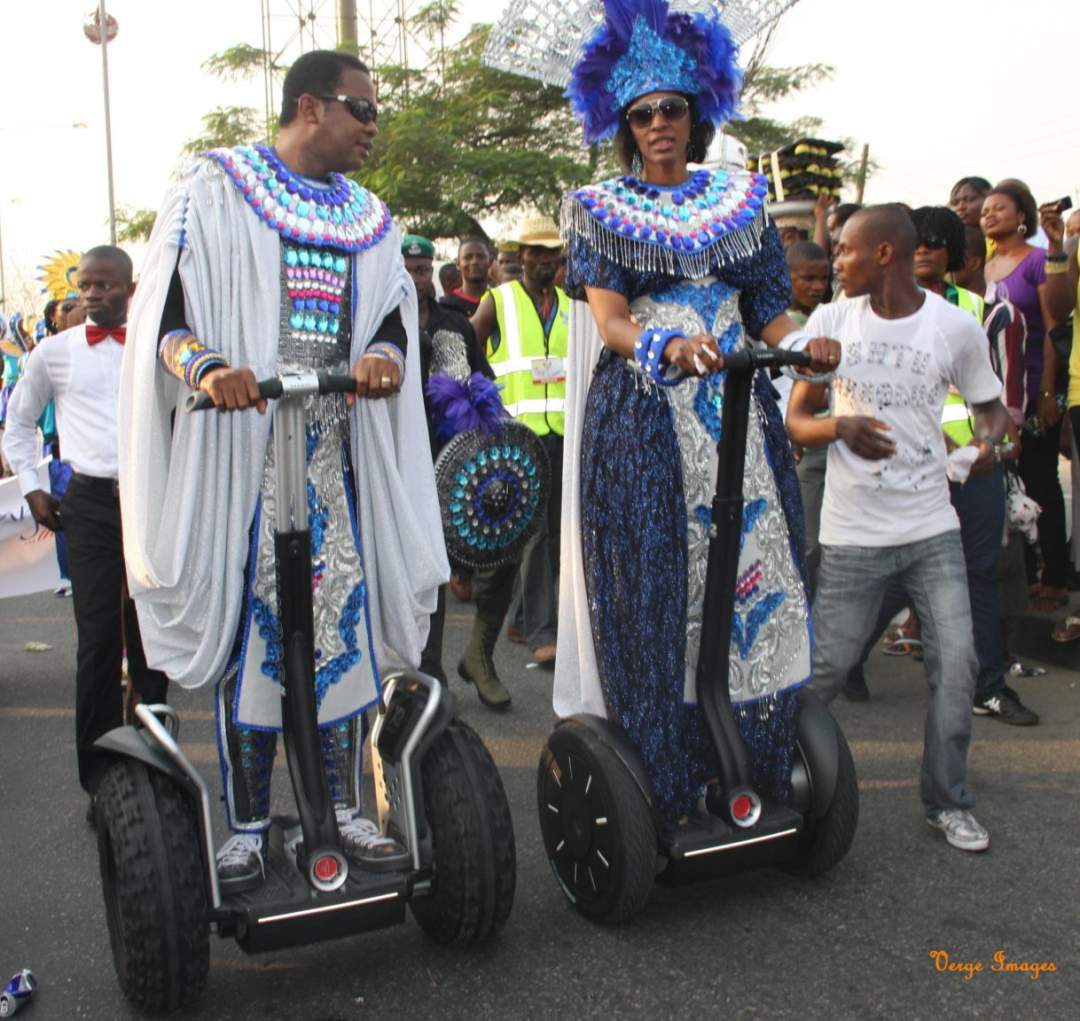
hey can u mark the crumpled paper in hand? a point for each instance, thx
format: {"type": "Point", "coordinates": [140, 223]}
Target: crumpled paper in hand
{"type": "Point", "coordinates": [958, 465]}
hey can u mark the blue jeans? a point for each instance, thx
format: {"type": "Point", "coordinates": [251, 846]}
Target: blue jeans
{"type": "Point", "coordinates": [852, 587]}
{"type": "Point", "coordinates": [980, 505]}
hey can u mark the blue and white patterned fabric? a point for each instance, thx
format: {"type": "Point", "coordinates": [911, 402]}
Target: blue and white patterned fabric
{"type": "Point", "coordinates": [647, 478]}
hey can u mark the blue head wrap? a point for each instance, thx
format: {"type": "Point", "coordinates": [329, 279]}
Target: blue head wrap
{"type": "Point", "coordinates": [642, 47]}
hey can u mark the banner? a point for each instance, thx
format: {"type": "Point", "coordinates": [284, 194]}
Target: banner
{"type": "Point", "coordinates": [27, 549]}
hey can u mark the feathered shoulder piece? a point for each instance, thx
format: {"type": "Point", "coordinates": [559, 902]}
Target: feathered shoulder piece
{"type": "Point", "coordinates": [715, 217]}
{"type": "Point", "coordinates": [340, 215]}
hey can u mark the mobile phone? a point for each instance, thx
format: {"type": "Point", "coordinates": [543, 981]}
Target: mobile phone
{"type": "Point", "coordinates": [1063, 204]}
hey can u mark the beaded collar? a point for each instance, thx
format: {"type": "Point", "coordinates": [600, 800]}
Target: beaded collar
{"type": "Point", "coordinates": [716, 216]}
{"type": "Point", "coordinates": [338, 215]}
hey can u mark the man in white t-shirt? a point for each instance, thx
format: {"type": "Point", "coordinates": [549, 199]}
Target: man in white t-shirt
{"type": "Point", "coordinates": [887, 526]}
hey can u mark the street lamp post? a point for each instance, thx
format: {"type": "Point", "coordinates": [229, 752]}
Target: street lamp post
{"type": "Point", "coordinates": [100, 33]}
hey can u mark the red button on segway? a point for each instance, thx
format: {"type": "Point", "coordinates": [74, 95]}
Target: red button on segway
{"type": "Point", "coordinates": [326, 869]}
{"type": "Point", "coordinates": [741, 807]}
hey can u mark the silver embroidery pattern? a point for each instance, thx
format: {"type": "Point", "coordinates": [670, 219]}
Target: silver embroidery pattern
{"type": "Point", "coordinates": [342, 570]}
{"type": "Point", "coordinates": [449, 356]}
{"type": "Point", "coordinates": [779, 656]}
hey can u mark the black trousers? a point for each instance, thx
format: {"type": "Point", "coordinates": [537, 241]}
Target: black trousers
{"type": "Point", "coordinates": [105, 620]}
{"type": "Point", "coordinates": [1039, 470]}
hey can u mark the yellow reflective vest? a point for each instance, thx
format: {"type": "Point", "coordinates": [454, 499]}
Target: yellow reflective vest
{"type": "Point", "coordinates": [519, 359]}
{"type": "Point", "coordinates": [956, 420]}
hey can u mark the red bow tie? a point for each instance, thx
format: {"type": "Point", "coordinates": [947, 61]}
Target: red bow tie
{"type": "Point", "coordinates": [96, 334]}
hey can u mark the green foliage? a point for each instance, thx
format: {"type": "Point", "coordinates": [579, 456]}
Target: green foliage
{"type": "Point", "coordinates": [226, 126]}
{"type": "Point", "coordinates": [472, 143]}
{"type": "Point", "coordinates": [134, 224]}
{"type": "Point", "coordinates": [237, 63]}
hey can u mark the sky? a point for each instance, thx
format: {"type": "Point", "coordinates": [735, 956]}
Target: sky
{"type": "Point", "coordinates": [939, 89]}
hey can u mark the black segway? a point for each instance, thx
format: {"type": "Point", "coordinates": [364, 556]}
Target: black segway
{"type": "Point", "coordinates": [439, 789]}
{"type": "Point", "coordinates": [594, 796]}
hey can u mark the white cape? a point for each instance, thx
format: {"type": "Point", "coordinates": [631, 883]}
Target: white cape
{"type": "Point", "coordinates": [577, 678]}
{"type": "Point", "coordinates": [189, 483]}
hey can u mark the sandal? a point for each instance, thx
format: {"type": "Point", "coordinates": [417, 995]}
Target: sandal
{"type": "Point", "coordinates": [1018, 669]}
{"type": "Point", "coordinates": [903, 647]}
{"type": "Point", "coordinates": [1067, 630]}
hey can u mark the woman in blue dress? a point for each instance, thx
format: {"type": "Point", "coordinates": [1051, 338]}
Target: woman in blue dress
{"type": "Point", "coordinates": [678, 266]}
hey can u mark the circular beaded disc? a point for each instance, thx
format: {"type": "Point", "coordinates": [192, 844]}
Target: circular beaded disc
{"type": "Point", "coordinates": [492, 491]}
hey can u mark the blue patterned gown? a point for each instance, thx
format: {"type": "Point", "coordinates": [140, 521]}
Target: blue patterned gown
{"type": "Point", "coordinates": [648, 474]}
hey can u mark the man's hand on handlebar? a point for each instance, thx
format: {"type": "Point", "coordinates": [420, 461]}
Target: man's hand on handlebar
{"type": "Point", "coordinates": [232, 389]}
{"type": "Point", "coordinates": [824, 354]}
{"type": "Point", "coordinates": [375, 377]}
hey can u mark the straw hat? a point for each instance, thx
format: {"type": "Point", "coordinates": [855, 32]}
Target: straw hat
{"type": "Point", "coordinates": [539, 230]}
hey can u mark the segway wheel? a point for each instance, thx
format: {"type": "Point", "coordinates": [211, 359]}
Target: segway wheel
{"type": "Point", "coordinates": [597, 827]}
{"type": "Point", "coordinates": [475, 868]}
{"type": "Point", "coordinates": [825, 841]}
{"type": "Point", "coordinates": [154, 883]}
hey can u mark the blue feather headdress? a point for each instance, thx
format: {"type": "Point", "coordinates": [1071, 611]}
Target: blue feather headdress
{"type": "Point", "coordinates": [644, 47]}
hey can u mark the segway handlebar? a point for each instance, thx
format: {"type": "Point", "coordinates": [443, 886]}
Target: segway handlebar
{"type": "Point", "coordinates": [290, 384]}
{"type": "Point", "coordinates": [748, 359]}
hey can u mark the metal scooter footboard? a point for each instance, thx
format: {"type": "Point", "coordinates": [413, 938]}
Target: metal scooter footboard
{"type": "Point", "coordinates": [414, 711]}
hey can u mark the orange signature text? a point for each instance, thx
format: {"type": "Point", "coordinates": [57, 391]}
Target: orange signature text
{"type": "Point", "coordinates": [998, 964]}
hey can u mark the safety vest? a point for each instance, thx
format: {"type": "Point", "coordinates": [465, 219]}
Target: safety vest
{"type": "Point", "coordinates": [956, 420]}
{"type": "Point", "coordinates": [522, 346]}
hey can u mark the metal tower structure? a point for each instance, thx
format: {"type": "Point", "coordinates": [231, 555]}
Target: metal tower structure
{"type": "Point", "coordinates": [386, 32]}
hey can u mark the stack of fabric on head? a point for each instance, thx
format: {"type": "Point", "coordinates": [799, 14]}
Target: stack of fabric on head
{"type": "Point", "coordinates": [802, 170]}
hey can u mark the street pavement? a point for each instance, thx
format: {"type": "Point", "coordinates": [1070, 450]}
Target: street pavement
{"type": "Point", "coordinates": [857, 943]}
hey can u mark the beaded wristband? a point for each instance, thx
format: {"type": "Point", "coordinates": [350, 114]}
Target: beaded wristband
{"type": "Point", "coordinates": [190, 359]}
{"type": "Point", "coordinates": [384, 349]}
{"type": "Point", "coordinates": [649, 354]}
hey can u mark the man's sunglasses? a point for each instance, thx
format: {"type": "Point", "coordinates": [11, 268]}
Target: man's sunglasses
{"type": "Point", "coordinates": [672, 109]}
{"type": "Point", "coordinates": [364, 110]}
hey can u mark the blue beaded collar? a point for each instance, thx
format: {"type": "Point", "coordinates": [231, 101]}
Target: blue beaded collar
{"type": "Point", "coordinates": [716, 216]}
{"type": "Point", "coordinates": [339, 215]}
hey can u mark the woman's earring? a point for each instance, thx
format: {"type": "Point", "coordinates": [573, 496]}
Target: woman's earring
{"type": "Point", "coordinates": [636, 164]}
{"type": "Point", "coordinates": [1022, 229]}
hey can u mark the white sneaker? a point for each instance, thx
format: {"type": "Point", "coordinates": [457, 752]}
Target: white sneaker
{"type": "Point", "coordinates": [363, 842]}
{"type": "Point", "coordinates": [960, 827]}
{"type": "Point", "coordinates": [240, 862]}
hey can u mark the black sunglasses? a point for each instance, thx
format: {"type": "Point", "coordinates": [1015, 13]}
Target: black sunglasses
{"type": "Point", "coordinates": [673, 108]}
{"type": "Point", "coordinates": [364, 110]}
{"type": "Point", "coordinates": [932, 241]}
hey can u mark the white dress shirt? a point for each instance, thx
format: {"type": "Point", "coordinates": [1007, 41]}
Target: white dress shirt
{"type": "Point", "coordinates": [84, 381]}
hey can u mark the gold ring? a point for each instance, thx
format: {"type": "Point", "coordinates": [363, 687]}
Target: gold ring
{"type": "Point", "coordinates": [386, 380]}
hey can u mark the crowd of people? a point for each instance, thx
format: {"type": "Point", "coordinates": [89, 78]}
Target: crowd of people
{"type": "Point", "coordinates": [943, 384]}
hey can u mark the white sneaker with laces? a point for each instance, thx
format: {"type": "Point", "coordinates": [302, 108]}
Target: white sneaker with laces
{"type": "Point", "coordinates": [960, 827]}
{"type": "Point", "coordinates": [363, 842]}
{"type": "Point", "coordinates": [240, 862]}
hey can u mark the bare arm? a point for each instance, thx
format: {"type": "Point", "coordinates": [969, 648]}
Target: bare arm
{"type": "Point", "coordinates": [1056, 296]}
{"type": "Point", "coordinates": [865, 436]}
{"type": "Point", "coordinates": [484, 321]}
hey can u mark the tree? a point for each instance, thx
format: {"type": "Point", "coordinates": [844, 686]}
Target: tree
{"type": "Point", "coordinates": [763, 84]}
{"type": "Point", "coordinates": [222, 126]}
{"type": "Point", "coordinates": [471, 143]}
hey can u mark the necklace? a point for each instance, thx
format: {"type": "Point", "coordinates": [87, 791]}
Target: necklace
{"type": "Point", "coordinates": [339, 214]}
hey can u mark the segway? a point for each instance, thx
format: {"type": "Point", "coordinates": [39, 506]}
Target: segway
{"type": "Point", "coordinates": [595, 801]}
{"type": "Point", "coordinates": [439, 792]}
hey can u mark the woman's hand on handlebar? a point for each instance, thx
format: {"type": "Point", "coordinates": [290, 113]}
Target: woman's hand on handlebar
{"type": "Point", "coordinates": [375, 377]}
{"type": "Point", "coordinates": [824, 354]}
{"type": "Point", "coordinates": [232, 389]}
{"type": "Point", "coordinates": [696, 356]}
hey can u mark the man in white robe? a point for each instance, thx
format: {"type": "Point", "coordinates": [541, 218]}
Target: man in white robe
{"type": "Point", "coordinates": [264, 260]}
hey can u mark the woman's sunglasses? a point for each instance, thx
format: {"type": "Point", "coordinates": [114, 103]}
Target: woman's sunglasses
{"type": "Point", "coordinates": [672, 109]}
{"type": "Point", "coordinates": [364, 110]}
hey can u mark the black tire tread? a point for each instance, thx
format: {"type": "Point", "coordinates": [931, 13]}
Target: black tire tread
{"type": "Point", "coordinates": [475, 860]}
{"type": "Point", "coordinates": [637, 833]}
{"type": "Point", "coordinates": [829, 838]}
{"type": "Point", "coordinates": [158, 919]}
